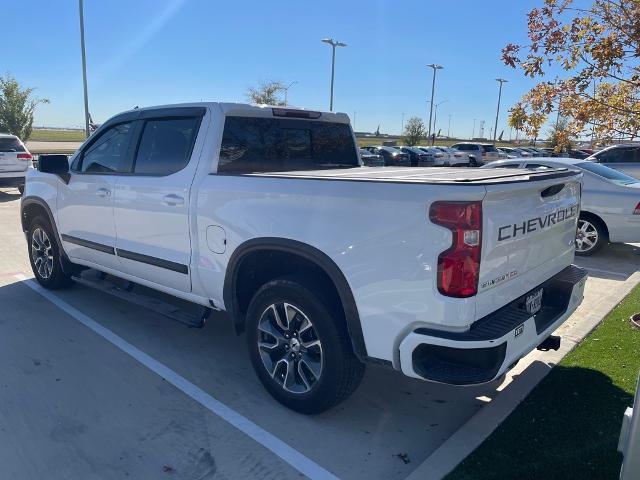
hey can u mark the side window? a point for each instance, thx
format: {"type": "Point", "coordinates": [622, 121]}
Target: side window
{"type": "Point", "coordinates": [615, 155]}
{"type": "Point", "coordinates": [108, 153]}
{"type": "Point", "coordinates": [165, 145]}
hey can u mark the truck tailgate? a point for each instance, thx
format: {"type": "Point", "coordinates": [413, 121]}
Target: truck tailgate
{"type": "Point", "coordinates": [528, 236]}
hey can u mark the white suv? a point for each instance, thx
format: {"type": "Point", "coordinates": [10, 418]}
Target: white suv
{"type": "Point", "coordinates": [479, 153]}
{"type": "Point", "coordinates": [15, 159]}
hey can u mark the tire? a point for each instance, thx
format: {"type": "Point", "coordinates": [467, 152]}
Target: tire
{"type": "Point", "coordinates": [309, 367]}
{"type": "Point", "coordinates": [45, 256]}
{"type": "Point", "coordinates": [591, 235]}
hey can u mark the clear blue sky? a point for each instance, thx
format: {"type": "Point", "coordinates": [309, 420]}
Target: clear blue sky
{"type": "Point", "coordinates": [146, 52]}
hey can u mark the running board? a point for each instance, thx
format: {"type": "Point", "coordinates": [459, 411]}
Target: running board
{"type": "Point", "coordinates": [99, 281]}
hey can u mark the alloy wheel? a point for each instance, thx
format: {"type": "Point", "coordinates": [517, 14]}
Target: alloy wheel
{"type": "Point", "coordinates": [42, 253]}
{"type": "Point", "coordinates": [586, 236]}
{"type": "Point", "coordinates": [289, 347]}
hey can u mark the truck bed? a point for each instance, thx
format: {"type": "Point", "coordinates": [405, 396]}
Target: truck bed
{"type": "Point", "coordinates": [433, 175]}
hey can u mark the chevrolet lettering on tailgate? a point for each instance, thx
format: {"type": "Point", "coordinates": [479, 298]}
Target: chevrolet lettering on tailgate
{"type": "Point", "coordinates": [539, 223]}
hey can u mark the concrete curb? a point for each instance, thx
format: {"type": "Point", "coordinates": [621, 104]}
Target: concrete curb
{"type": "Point", "coordinates": [519, 383]}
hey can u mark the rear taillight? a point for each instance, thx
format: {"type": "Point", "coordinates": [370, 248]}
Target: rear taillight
{"type": "Point", "coordinates": [459, 265]}
{"type": "Point", "coordinates": [636, 211]}
{"type": "Point", "coordinates": [484, 154]}
{"type": "Point", "coordinates": [24, 156]}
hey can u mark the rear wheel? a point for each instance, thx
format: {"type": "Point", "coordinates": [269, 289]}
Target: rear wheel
{"type": "Point", "coordinates": [299, 346]}
{"type": "Point", "coordinates": [45, 257]}
{"type": "Point", "coordinates": [590, 236]}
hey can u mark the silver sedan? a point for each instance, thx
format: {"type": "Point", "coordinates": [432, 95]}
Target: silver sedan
{"type": "Point", "coordinates": [610, 210]}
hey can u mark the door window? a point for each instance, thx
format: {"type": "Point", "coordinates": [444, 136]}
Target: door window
{"type": "Point", "coordinates": [165, 145]}
{"type": "Point", "coordinates": [108, 153]}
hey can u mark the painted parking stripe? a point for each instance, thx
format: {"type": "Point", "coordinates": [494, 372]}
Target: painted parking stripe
{"type": "Point", "coordinates": [288, 454]}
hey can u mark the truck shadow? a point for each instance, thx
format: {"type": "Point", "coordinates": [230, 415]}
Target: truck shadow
{"type": "Point", "coordinates": [567, 427]}
{"type": "Point", "coordinates": [9, 195]}
{"type": "Point", "coordinates": [615, 261]}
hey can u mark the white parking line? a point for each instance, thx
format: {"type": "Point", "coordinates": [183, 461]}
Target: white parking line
{"type": "Point", "coordinates": [288, 454]}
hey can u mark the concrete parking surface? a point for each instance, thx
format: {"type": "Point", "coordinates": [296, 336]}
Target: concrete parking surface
{"type": "Point", "coordinates": [75, 405]}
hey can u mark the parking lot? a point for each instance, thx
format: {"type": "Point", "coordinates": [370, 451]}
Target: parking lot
{"type": "Point", "coordinates": [93, 386]}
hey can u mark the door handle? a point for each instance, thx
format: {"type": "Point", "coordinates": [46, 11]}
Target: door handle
{"type": "Point", "coordinates": [173, 200]}
{"type": "Point", "coordinates": [103, 192]}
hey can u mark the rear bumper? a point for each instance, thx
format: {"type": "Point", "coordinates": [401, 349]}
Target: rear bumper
{"type": "Point", "coordinates": [12, 179]}
{"type": "Point", "coordinates": [495, 342]}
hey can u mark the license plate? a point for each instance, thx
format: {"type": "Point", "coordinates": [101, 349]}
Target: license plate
{"type": "Point", "coordinates": [533, 303]}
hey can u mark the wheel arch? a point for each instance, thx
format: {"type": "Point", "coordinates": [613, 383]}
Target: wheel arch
{"type": "Point", "coordinates": [595, 218]}
{"type": "Point", "coordinates": [32, 207]}
{"type": "Point", "coordinates": [296, 251]}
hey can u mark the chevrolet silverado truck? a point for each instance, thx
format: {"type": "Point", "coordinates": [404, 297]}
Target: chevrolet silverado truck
{"type": "Point", "coordinates": [447, 275]}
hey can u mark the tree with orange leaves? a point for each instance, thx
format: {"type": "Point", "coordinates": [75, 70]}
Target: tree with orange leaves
{"type": "Point", "coordinates": [597, 48]}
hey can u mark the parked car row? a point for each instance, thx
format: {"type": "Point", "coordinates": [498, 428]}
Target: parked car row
{"type": "Point", "coordinates": [418, 156]}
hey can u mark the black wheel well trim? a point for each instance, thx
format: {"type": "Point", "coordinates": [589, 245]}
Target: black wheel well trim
{"type": "Point", "coordinates": [596, 217]}
{"type": "Point", "coordinates": [309, 253]}
{"type": "Point", "coordinates": [32, 200]}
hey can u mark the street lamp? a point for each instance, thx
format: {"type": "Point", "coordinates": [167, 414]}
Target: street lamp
{"type": "Point", "coordinates": [286, 91]}
{"type": "Point", "coordinates": [435, 117]}
{"type": "Point", "coordinates": [84, 70]}
{"type": "Point", "coordinates": [449, 128]}
{"type": "Point", "coordinates": [473, 132]}
{"type": "Point", "coordinates": [333, 44]}
{"type": "Point", "coordinates": [433, 87]}
{"type": "Point", "coordinates": [495, 128]}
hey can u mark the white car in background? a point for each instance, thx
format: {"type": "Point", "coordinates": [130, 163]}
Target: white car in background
{"type": "Point", "coordinates": [15, 160]}
{"type": "Point", "coordinates": [625, 158]}
{"type": "Point", "coordinates": [479, 153]}
{"type": "Point", "coordinates": [437, 156]}
{"type": "Point", "coordinates": [456, 158]}
{"type": "Point", "coordinates": [610, 201]}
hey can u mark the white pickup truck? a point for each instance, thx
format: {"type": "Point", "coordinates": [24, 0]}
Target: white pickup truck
{"type": "Point", "coordinates": [447, 275]}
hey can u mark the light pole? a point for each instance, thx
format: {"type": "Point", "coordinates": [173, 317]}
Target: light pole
{"type": "Point", "coordinates": [84, 70]}
{"type": "Point", "coordinates": [435, 67]}
{"type": "Point", "coordinates": [286, 91]}
{"type": "Point", "coordinates": [402, 124]}
{"type": "Point", "coordinates": [449, 128]}
{"type": "Point", "coordinates": [473, 132]}
{"type": "Point", "coordinates": [333, 44]}
{"type": "Point", "coordinates": [495, 128]}
{"type": "Point", "coordinates": [435, 118]}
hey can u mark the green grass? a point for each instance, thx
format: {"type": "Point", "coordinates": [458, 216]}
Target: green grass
{"type": "Point", "coordinates": [568, 427]}
{"type": "Point", "coordinates": [45, 135]}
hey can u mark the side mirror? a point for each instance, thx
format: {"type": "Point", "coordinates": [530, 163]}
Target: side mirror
{"type": "Point", "coordinates": [56, 164]}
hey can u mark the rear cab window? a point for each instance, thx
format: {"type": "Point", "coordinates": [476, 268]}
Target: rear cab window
{"type": "Point", "coordinates": [256, 144]}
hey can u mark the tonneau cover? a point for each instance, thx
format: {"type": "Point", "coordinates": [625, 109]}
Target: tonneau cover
{"type": "Point", "coordinates": [452, 176]}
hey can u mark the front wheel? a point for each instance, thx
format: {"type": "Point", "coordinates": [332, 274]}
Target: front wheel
{"type": "Point", "coordinates": [590, 236]}
{"type": "Point", "coordinates": [45, 256]}
{"type": "Point", "coordinates": [299, 346]}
